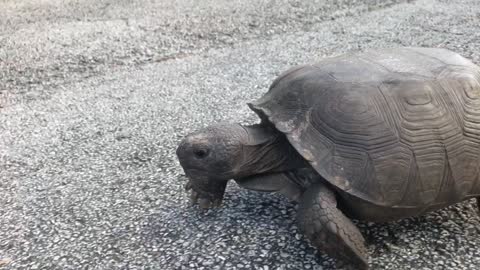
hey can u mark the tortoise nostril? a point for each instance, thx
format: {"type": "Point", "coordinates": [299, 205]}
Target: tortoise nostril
{"type": "Point", "coordinates": [200, 153]}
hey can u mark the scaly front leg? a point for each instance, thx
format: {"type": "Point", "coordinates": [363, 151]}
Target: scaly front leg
{"type": "Point", "coordinates": [208, 194]}
{"type": "Point", "coordinates": [329, 230]}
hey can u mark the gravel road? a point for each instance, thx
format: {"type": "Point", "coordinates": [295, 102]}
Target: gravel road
{"type": "Point", "coordinates": [95, 95]}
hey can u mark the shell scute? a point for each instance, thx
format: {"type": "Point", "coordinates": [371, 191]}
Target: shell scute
{"type": "Point", "coordinates": [396, 127]}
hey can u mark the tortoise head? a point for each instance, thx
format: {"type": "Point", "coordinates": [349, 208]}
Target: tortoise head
{"type": "Point", "coordinates": [210, 157]}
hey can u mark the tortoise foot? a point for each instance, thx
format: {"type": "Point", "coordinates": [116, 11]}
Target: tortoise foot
{"type": "Point", "coordinates": [329, 230]}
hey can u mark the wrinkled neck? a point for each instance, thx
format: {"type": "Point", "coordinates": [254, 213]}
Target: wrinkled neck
{"type": "Point", "coordinates": [268, 151]}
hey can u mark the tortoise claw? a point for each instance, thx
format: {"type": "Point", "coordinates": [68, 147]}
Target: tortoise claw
{"type": "Point", "coordinates": [209, 195]}
{"type": "Point", "coordinates": [193, 197]}
{"type": "Point", "coordinates": [204, 203]}
{"type": "Point", "coordinates": [188, 186]}
{"type": "Point", "coordinates": [217, 203]}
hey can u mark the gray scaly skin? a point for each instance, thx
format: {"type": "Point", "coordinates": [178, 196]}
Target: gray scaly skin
{"type": "Point", "coordinates": [258, 157]}
{"type": "Point", "coordinates": [329, 229]}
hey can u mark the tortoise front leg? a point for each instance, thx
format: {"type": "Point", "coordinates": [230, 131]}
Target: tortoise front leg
{"type": "Point", "coordinates": [207, 193]}
{"type": "Point", "coordinates": [329, 230]}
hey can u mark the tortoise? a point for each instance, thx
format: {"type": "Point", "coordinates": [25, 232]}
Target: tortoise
{"type": "Point", "coordinates": [375, 135]}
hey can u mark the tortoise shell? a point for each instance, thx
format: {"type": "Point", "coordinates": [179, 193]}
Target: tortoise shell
{"type": "Point", "coordinates": [393, 127]}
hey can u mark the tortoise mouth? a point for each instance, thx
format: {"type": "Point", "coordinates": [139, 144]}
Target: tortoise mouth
{"type": "Point", "coordinates": [200, 175]}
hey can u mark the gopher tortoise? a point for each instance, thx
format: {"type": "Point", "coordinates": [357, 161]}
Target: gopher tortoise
{"type": "Point", "coordinates": [377, 135]}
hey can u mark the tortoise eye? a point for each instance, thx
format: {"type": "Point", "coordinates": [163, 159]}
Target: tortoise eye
{"type": "Point", "coordinates": [200, 153]}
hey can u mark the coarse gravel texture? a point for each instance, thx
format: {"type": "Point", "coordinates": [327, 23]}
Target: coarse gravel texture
{"type": "Point", "coordinates": [88, 173]}
{"type": "Point", "coordinates": [72, 40]}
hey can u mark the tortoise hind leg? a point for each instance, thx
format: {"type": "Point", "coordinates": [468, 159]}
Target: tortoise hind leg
{"type": "Point", "coordinates": [329, 230]}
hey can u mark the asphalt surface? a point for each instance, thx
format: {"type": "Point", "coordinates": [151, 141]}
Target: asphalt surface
{"type": "Point", "coordinates": [95, 96]}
